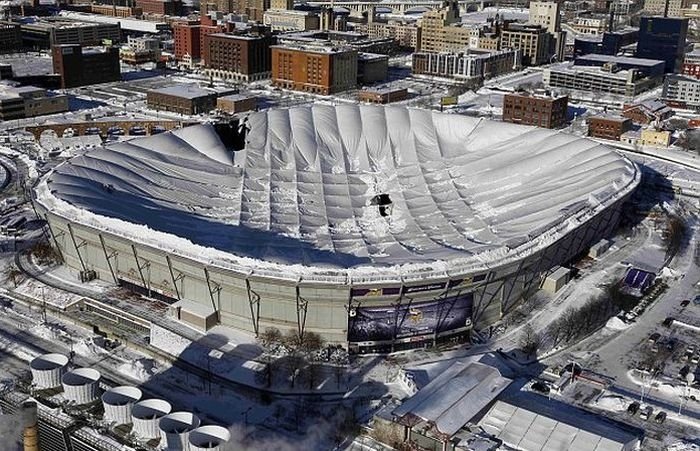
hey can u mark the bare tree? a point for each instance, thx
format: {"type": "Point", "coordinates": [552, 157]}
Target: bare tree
{"type": "Point", "coordinates": [530, 340]}
{"type": "Point", "coordinates": [269, 337]}
{"type": "Point", "coordinates": [14, 274]}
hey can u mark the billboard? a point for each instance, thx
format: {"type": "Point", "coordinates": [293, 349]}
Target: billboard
{"type": "Point", "coordinates": [409, 319]}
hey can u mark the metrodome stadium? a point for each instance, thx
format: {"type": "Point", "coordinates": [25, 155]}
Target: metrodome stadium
{"type": "Point", "coordinates": [379, 228]}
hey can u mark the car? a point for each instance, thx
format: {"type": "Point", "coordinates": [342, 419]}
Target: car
{"type": "Point", "coordinates": [695, 359]}
{"type": "Point", "coordinates": [685, 303]}
{"type": "Point", "coordinates": [653, 338]}
{"type": "Point", "coordinates": [671, 344]}
{"type": "Point", "coordinates": [683, 372]}
{"type": "Point", "coordinates": [690, 349]}
{"type": "Point", "coordinates": [660, 417]}
{"type": "Point", "coordinates": [696, 300]}
{"type": "Point", "coordinates": [646, 413]}
{"type": "Point", "coordinates": [685, 357]}
{"type": "Point", "coordinates": [633, 408]}
{"type": "Point", "coordinates": [540, 387]}
{"type": "Point", "coordinates": [668, 321]}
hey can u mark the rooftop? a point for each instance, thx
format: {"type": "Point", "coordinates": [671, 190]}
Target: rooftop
{"type": "Point", "coordinates": [300, 200]}
{"type": "Point", "coordinates": [455, 397]}
{"type": "Point", "coordinates": [187, 91]}
{"type": "Point", "coordinates": [620, 59]}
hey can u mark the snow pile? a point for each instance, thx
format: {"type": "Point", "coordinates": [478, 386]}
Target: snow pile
{"type": "Point", "coordinates": [88, 348]}
{"type": "Point", "coordinates": [615, 323]}
{"type": "Point", "coordinates": [44, 293]}
{"type": "Point", "coordinates": [612, 403]}
{"type": "Point", "coordinates": [141, 370]}
{"type": "Point", "coordinates": [683, 446]}
{"type": "Point", "coordinates": [302, 199]}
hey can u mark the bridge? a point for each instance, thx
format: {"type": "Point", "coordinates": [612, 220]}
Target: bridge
{"type": "Point", "coordinates": [356, 8]}
{"type": "Point", "coordinates": [102, 128]}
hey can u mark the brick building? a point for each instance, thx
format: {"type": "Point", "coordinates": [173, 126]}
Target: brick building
{"type": "Point", "coordinates": [80, 67]}
{"type": "Point", "coordinates": [115, 11]}
{"type": "Point", "coordinates": [189, 40]}
{"type": "Point", "coordinates": [383, 95]}
{"type": "Point", "coordinates": [244, 57]}
{"type": "Point", "coordinates": [319, 70]}
{"type": "Point", "coordinates": [608, 126]}
{"type": "Point", "coordinates": [542, 111]}
{"type": "Point", "coordinates": [647, 111]}
{"type": "Point", "coordinates": [187, 99]}
{"type": "Point", "coordinates": [160, 7]}
{"type": "Point", "coordinates": [10, 37]}
{"type": "Point", "coordinates": [236, 103]}
{"type": "Point", "coordinates": [691, 64]}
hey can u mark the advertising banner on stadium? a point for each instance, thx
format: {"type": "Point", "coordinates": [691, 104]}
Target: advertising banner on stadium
{"type": "Point", "coordinates": [409, 319]}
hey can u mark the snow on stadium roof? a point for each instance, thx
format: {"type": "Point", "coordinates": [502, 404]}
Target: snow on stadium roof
{"type": "Point", "coordinates": [300, 199]}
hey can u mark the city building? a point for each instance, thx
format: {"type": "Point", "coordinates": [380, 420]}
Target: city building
{"type": "Point", "coordinates": [471, 65]}
{"type": "Point", "coordinates": [314, 69]}
{"type": "Point", "coordinates": [141, 50]}
{"type": "Point", "coordinates": [115, 10]}
{"type": "Point", "coordinates": [244, 57]}
{"type": "Point", "coordinates": [535, 43]}
{"type": "Point", "coordinates": [78, 66]}
{"type": "Point", "coordinates": [371, 68]}
{"type": "Point", "coordinates": [682, 91]}
{"type": "Point", "coordinates": [656, 138]}
{"type": "Point", "coordinates": [546, 14]}
{"type": "Point", "coordinates": [18, 102]}
{"type": "Point", "coordinates": [610, 43]}
{"type": "Point", "coordinates": [10, 37]}
{"type": "Point", "coordinates": [599, 80]}
{"type": "Point", "coordinates": [526, 422]}
{"type": "Point", "coordinates": [126, 24]}
{"type": "Point", "coordinates": [663, 38]}
{"type": "Point", "coordinates": [407, 34]}
{"type": "Point", "coordinates": [647, 111]}
{"type": "Point", "coordinates": [331, 38]}
{"type": "Point", "coordinates": [46, 32]}
{"type": "Point", "coordinates": [189, 41]}
{"type": "Point", "coordinates": [6, 72]}
{"type": "Point", "coordinates": [531, 109]}
{"type": "Point", "coordinates": [608, 126]}
{"type": "Point", "coordinates": [648, 67]}
{"type": "Point", "coordinates": [691, 63]}
{"type": "Point", "coordinates": [595, 25]}
{"type": "Point", "coordinates": [188, 99]}
{"type": "Point", "coordinates": [254, 9]}
{"type": "Point", "coordinates": [431, 418]}
{"type": "Point", "coordinates": [236, 103]}
{"type": "Point", "coordinates": [441, 30]}
{"type": "Point", "coordinates": [291, 20]}
{"type": "Point", "coordinates": [160, 7]}
{"type": "Point", "coordinates": [383, 95]}
{"type": "Point", "coordinates": [668, 8]}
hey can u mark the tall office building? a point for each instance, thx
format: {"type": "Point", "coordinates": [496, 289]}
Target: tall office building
{"type": "Point", "coordinates": [545, 14]}
{"type": "Point", "coordinates": [663, 38]}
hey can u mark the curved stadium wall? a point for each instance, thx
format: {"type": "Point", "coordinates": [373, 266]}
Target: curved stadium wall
{"type": "Point", "coordinates": [378, 309]}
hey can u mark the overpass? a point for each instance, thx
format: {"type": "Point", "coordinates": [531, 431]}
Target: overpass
{"type": "Point", "coordinates": [356, 8]}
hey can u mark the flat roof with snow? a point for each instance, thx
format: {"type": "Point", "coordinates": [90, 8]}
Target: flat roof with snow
{"type": "Point", "coordinates": [302, 198]}
{"type": "Point", "coordinates": [537, 429]}
{"type": "Point", "coordinates": [455, 397]}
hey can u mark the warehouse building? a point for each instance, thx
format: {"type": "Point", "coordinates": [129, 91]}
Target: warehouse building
{"type": "Point", "coordinates": [188, 99]}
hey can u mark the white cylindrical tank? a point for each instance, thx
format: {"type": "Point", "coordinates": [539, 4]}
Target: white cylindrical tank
{"type": "Point", "coordinates": [145, 416]}
{"type": "Point", "coordinates": [47, 370]}
{"type": "Point", "coordinates": [81, 386]}
{"type": "Point", "coordinates": [175, 430]}
{"type": "Point", "coordinates": [117, 403]}
{"type": "Point", "coordinates": [209, 438]}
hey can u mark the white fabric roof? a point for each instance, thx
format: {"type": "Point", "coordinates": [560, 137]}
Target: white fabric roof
{"type": "Point", "coordinates": [455, 397]}
{"type": "Point", "coordinates": [530, 431]}
{"type": "Point", "coordinates": [465, 191]}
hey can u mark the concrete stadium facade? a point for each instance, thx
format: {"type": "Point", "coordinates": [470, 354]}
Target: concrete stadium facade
{"type": "Point", "coordinates": [253, 302]}
{"type": "Point", "coordinates": [378, 307]}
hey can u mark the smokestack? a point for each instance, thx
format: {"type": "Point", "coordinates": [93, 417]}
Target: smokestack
{"type": "Point", "coordinates": [611, 10]}
{"type": "Point", "coordinates": [666, 8]}
{"type": "Point", "coordinates": [29, 422]}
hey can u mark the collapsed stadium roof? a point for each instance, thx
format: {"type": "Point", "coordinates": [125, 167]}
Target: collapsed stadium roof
{"type": "Point", "coordinates": [337, 191]}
